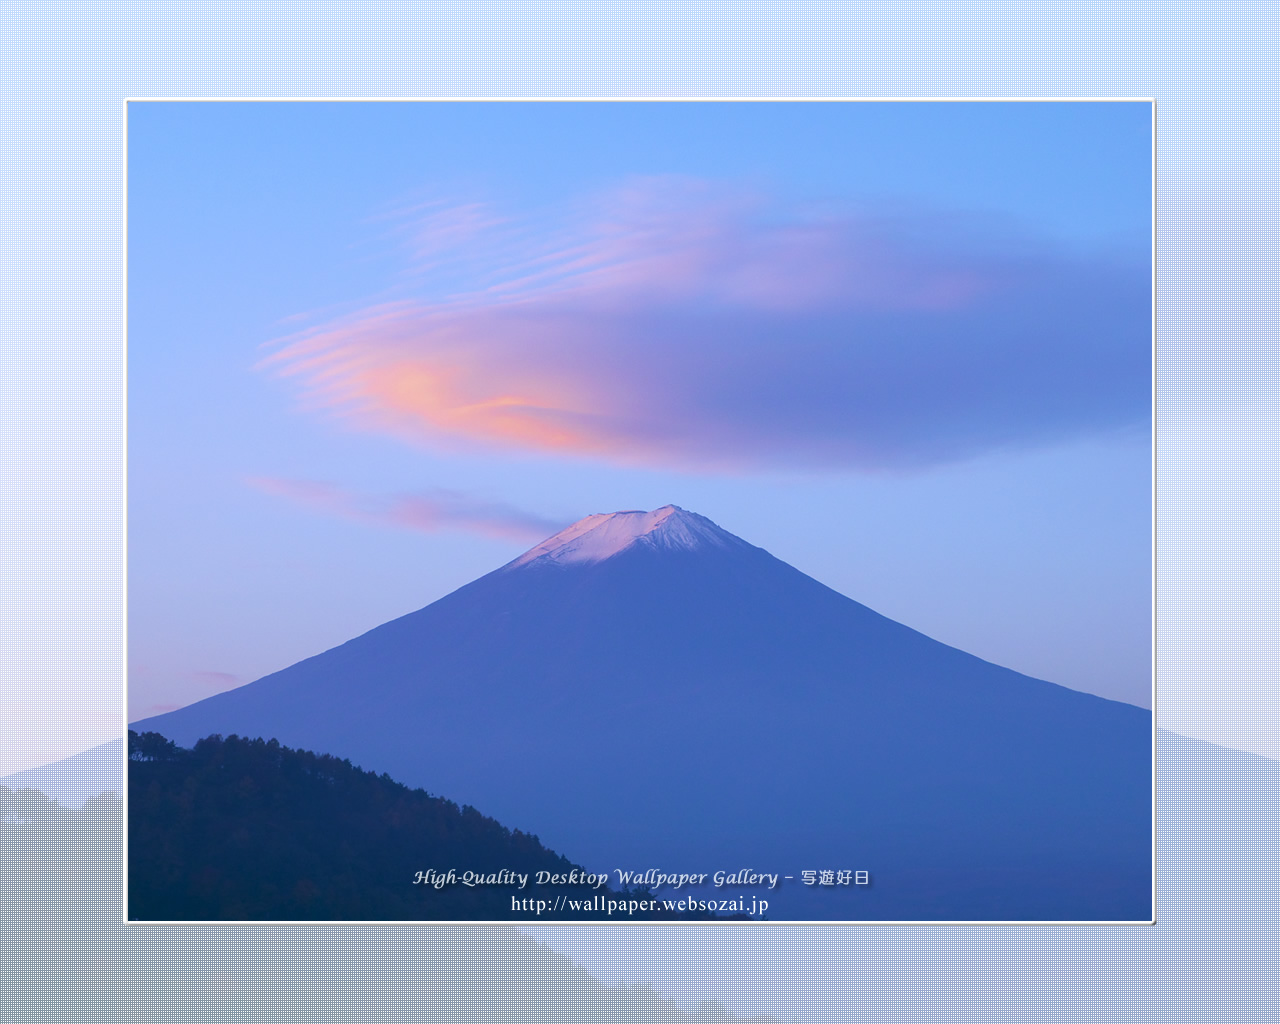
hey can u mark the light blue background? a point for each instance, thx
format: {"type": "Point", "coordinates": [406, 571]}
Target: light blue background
{"type": "Point", "coordinates": [65, 70]}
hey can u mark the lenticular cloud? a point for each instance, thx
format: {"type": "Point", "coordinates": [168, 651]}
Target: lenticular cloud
{"type": "Point", "coordinates": [672, 323]}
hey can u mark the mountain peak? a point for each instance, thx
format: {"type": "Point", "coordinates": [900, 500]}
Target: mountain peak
{"type": "Point", "coordinates": [605, 534]}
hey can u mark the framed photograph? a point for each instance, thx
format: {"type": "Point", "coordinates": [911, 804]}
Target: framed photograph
{"type": "Point", "coordinates": [648, 512]}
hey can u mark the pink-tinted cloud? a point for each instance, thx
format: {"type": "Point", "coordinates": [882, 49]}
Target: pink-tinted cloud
{"type": "Point", "coordinates": [428, 511]}
{"type": "Point", "coordinates": [674, 323]}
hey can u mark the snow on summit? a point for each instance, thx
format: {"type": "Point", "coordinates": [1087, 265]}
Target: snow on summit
{"type": "Point", "coordinates": [605, 534]}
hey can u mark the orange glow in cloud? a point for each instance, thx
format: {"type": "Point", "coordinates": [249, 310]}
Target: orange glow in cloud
{"type": "Point", "coordinates": [437, 401]}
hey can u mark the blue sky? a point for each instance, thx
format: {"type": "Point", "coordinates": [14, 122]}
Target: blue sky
{"type": "Point", "coordinates": [375, 349]}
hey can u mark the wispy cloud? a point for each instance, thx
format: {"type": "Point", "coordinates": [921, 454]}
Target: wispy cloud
{"type": "Point", "coordinates": [428, 511]}
{"type": "Point", "coordinates": [676, 323]}
{"type": "Point", "coordinates": [217, 680]}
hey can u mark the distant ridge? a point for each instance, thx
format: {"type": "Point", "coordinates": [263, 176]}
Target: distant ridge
{"type": "Point", "coordinates": [73, 780]}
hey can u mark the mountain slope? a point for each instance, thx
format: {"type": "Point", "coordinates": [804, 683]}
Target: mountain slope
{"type": "Point", "coordinates": [654, 692]}
{"type": "Point", "coordinates": [73, 780]}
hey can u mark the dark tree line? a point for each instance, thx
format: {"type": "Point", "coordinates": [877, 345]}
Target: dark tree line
{"type": "Point", "coordinates": [239, 829]}
{"type": "Point", "coordinates": [52, 855]}
{"type": "Point", "coordinates": [28, 813]}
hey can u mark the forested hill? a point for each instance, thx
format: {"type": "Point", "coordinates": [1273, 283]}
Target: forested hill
{"type": "Point", "coordinates": [238, 829]}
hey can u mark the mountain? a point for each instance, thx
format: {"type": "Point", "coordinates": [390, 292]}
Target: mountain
{"type": "Point", "coordinates": [645, 689]}
{"type": "Point", "coordinates": [75, 779]}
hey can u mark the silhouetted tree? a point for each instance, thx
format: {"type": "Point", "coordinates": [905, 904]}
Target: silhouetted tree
{"type": "Point", "coordinates": [239, 829]}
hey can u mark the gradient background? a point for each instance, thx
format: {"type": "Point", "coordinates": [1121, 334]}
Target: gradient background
{"type": "Point", "coordinates": [65, 71]}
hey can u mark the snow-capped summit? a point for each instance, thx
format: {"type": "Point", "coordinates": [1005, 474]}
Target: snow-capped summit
{"type": "Point", "coordinates": [605, 534]}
